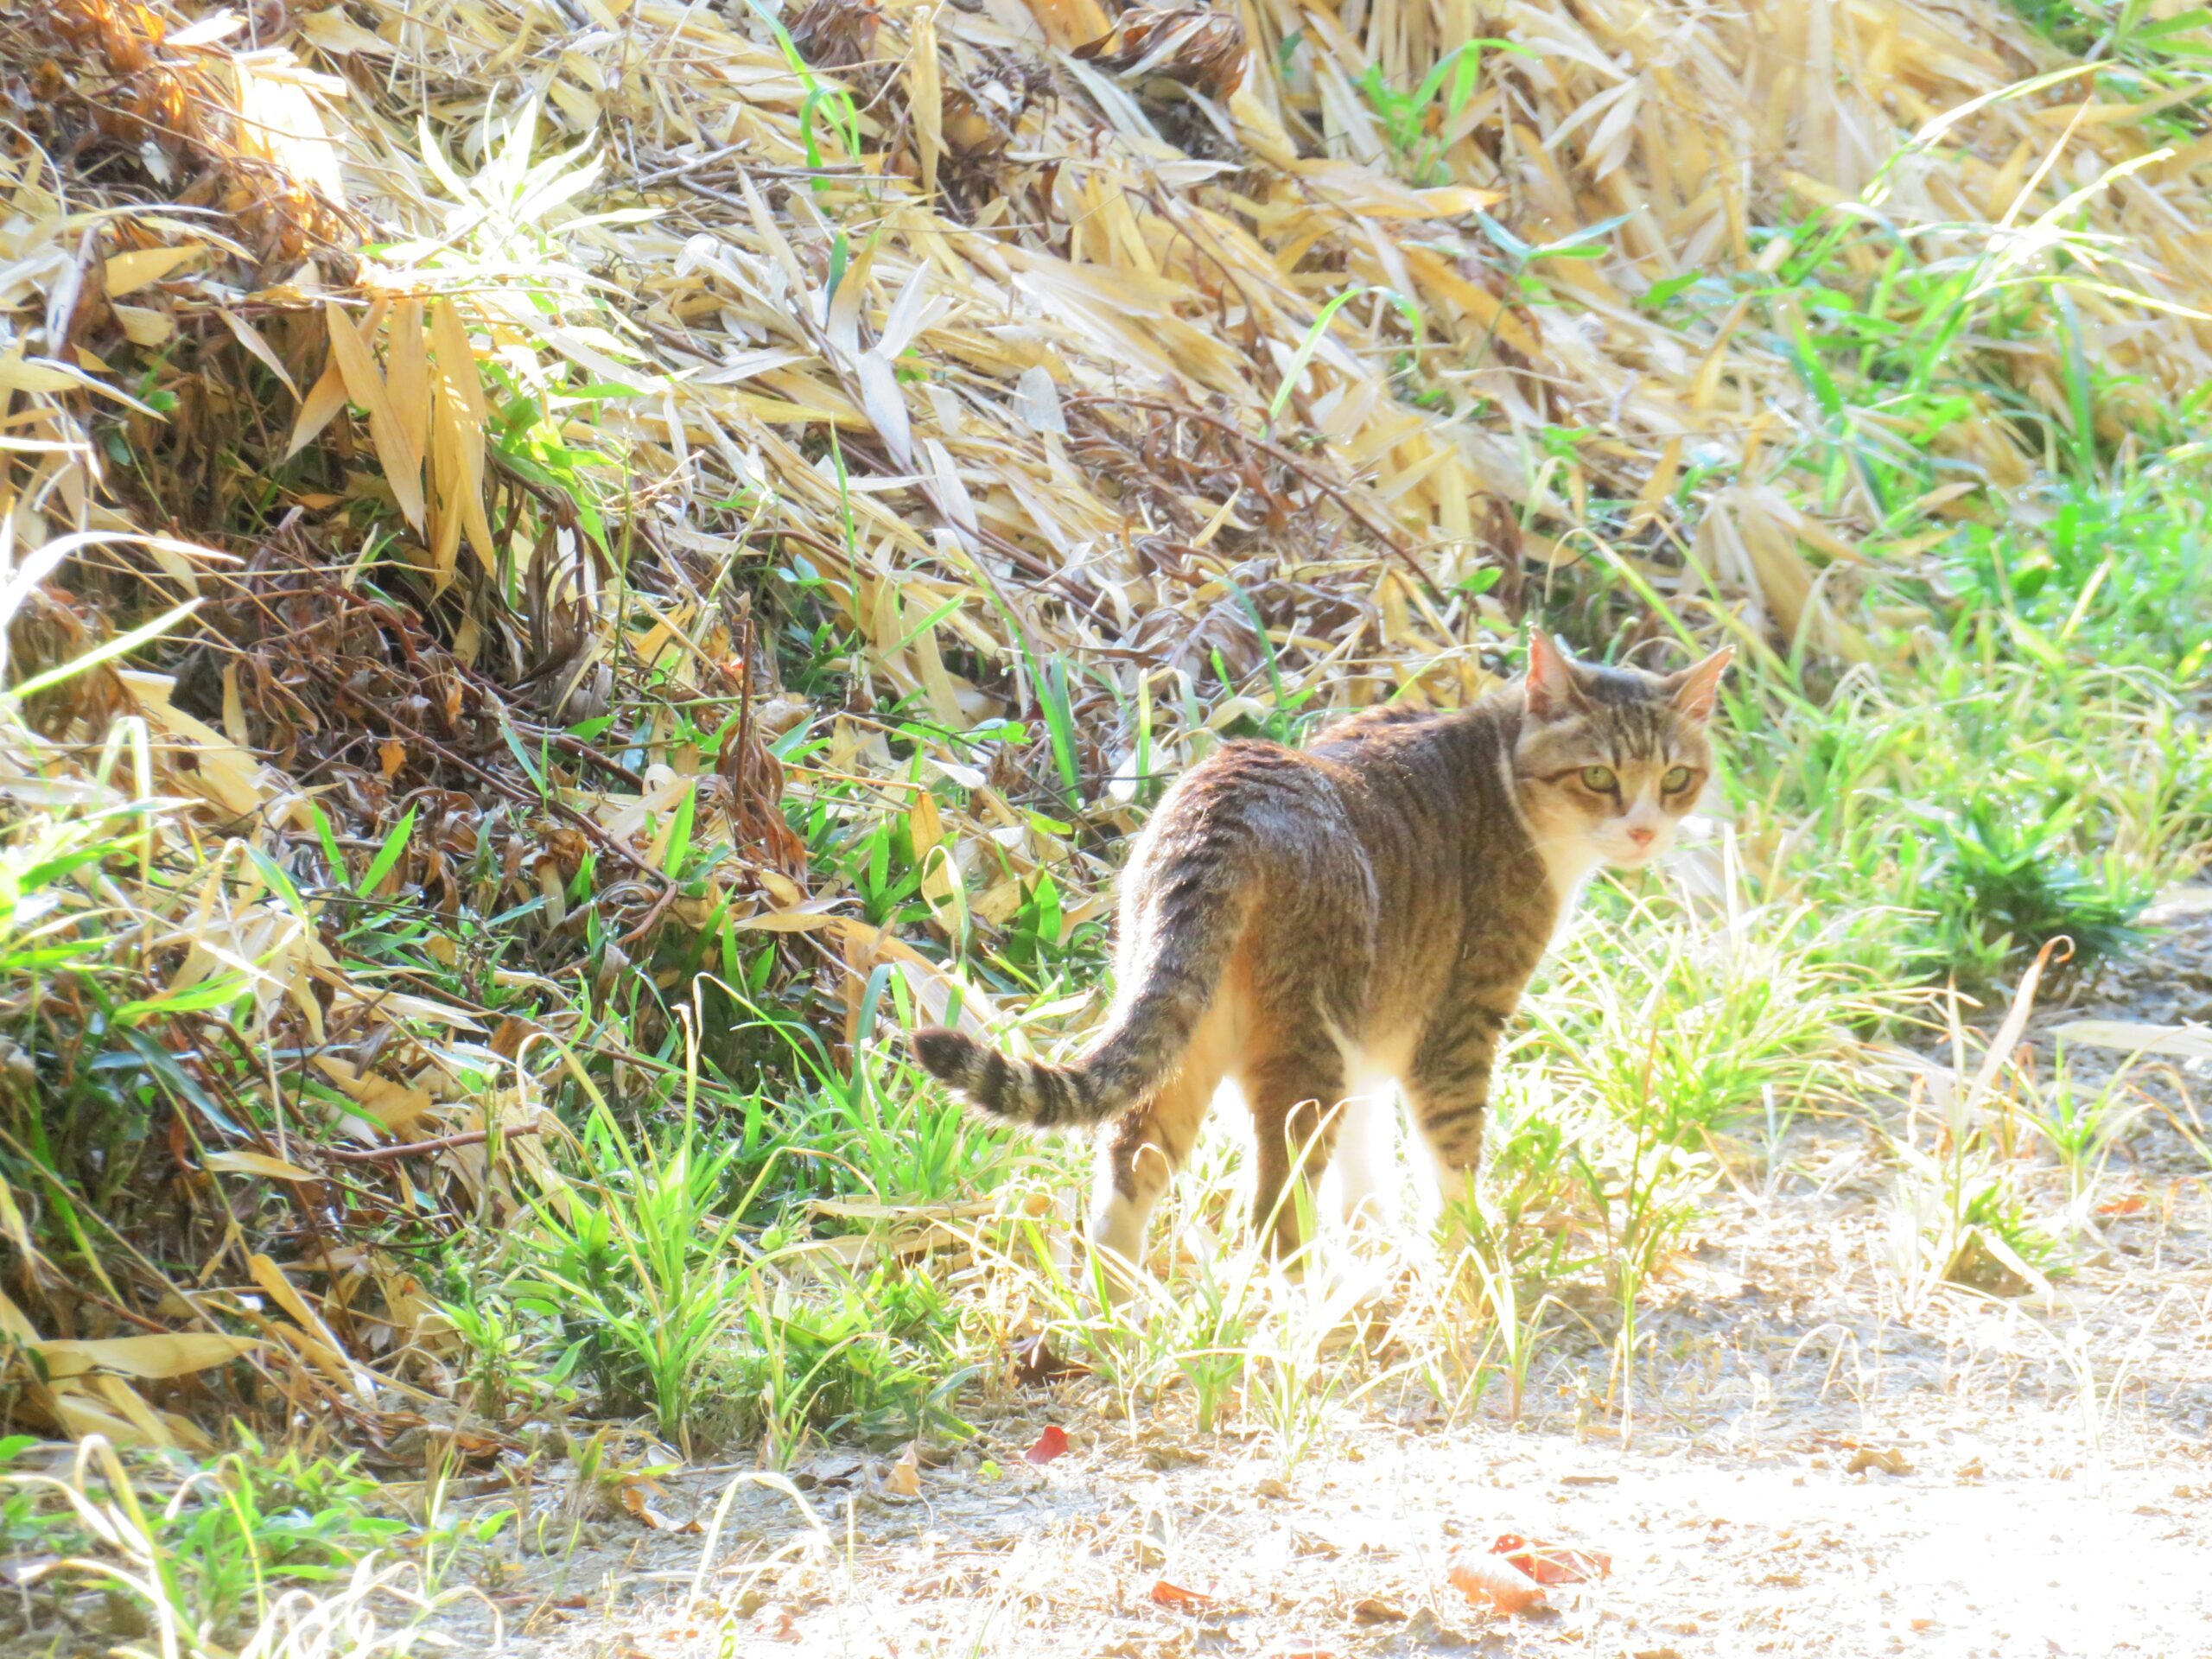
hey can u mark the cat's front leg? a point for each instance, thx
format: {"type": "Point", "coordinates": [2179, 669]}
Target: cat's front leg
{"type": "Point", "coordinates": [1449, 1093]}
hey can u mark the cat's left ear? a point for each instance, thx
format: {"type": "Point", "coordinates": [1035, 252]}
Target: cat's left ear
{"type": "Point", "coordinates": [1551, 692]}
{"type": "Point", "coordinates": [1695, 687]}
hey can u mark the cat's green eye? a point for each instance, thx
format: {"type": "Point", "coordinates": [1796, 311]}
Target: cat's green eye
{"type": "Point", "coordinates": [1599, 780]}
{"type": "Point", "coordinates": [1677, 779]}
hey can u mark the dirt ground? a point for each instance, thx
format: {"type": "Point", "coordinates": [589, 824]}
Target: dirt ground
{"type": "Point", "coordinates": [1817, 1466]}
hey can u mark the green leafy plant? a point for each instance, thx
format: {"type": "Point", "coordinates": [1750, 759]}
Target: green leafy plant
{"type": "Point", "coordinates": [2081, 1125]}
{"type": "Point", "coordinates": [1418, 125]}
{"type": "Point", "coordinates": [200, 1549]}
{"type": "Point", "coordinates": [639, 1267]}
{"type": "Point", "coordinates": [877, 1359]}
{"type": "Point", "coordinates": [2004, 880]}
{"type": "Point", "coordinates": [1957, 1217]}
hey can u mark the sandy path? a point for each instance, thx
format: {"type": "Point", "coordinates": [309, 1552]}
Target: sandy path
{"type": "Point", "coordinates": [2055, 1497]}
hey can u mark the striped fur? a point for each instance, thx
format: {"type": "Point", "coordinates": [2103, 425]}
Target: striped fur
{"type": "Point", "coordinates": [1186, 910]}
{"type": "Point", "coordinates": [1305, 923]}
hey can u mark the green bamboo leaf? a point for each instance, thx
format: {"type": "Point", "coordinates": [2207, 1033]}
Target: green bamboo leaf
{"type": "Point", "coordinates": [394, 848]}
{"type": "Point", "coordinates": [1307, 346]}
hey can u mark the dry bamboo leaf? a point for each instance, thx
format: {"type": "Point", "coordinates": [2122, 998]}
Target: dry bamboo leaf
{"type": "Point", "coordinates": [402, 464]}
{"type": "Point", "coordinates": [17, 1231]}
{"type": "Point", "coordinates": [144, 328]}
{"type": "Point", "coordinates": [312, 1335]}
{"type": "Point", "coordinates": [460, 392]}
{"type": "Point", "coordinates": [220, 770]}
{"type": "Point", "coordinates": [408, 374]}
{"type": "Point", "coordinates": [128, 272]}
{"type": "Point", "coordinates": [926, 98]}
{"type": "Point", "coordinates": [177, 1355]}
{"type": "Point", "coordinates": [251, 339]}
{"type": "Point", "coordinates": [257, 1163]}
{"type": "Point", "coordinates": [815, 914]}
{"type": "Point", "coordinates": [80, 1416]}
{"type": "Point", "coordinates": [886, 407]}
{"type": "Point", "coordinates": [20, 373]}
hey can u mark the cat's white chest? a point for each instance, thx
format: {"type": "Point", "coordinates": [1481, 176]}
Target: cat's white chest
{"type": "Point", "coordinates": [1570, 870]}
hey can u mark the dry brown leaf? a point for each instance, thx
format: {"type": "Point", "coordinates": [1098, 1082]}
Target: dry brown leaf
{"type": "Point", "coordinates": [1494, 1580]}
{"type": "Point", "coordinates": [779, 1624]}
{"type": "Point", "coordinates": [1195, 46]}
{"type": "Point", "coordinates": [1182, 1600]}
{"type": "Point", "coordinates": [1888, 1459]}
{"type": "Point", "coordinates": [904, 1478]}
{"type": "Point", "coordinates": [833, 1469]}
{"type": "Point", "coordinates": [1552, 1563]}
{"type": "Point", "coordinates": [647, 1500]}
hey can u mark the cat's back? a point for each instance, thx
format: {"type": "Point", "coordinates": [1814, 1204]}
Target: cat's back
{"type": "Point", "coordinates": [1382, 778]}
{"type": "Point", "coordinates": [1457, 754]}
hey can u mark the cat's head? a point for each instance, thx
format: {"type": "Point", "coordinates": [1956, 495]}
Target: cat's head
{"type": "Point", "coordinates": [1610, 760]}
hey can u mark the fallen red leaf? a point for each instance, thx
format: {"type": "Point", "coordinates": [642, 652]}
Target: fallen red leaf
{"type": "Point", "coordinates": [1050, 1444]}
{"type": "Point", "coordinates": [2130, 1204]}
{"type": "Point", "coordinates": [1175, 1596]}
{"type": "Point", "coordinates": [1497, 1580]}
{"type": "Point", "coordinates": [1552, 1563]}
{"type": "Point", "coordinates": [777, 1623]}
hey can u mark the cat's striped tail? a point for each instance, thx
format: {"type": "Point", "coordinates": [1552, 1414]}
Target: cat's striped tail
{"type": "Point", "coordinates": [1189, 916]}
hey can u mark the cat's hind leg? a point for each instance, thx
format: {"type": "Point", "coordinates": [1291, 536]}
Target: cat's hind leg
{"type": "Point", "coordinates": [1366, 1152]}
{"type": "Point", "coordinates": [1141, 1151]}
{"type": "Point", "coordinates": [1293, 1080]}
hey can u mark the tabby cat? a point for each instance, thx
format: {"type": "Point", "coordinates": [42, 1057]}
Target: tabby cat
{"type": "Point", "coordinates": [1321, 925]}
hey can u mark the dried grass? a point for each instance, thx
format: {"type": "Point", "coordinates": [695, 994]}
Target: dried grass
{"type": "Point", "coordinates": [1024, 357]}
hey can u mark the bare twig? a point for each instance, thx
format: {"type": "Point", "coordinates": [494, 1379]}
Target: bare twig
{"type": "Point", "coordinates": [424, 1148]}
{"type": "Point", "coordinates": [1276, 452]}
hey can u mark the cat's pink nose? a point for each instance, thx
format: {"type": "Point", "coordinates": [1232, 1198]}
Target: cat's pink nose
{"type": "Point", "coordinates": [1641, 834]}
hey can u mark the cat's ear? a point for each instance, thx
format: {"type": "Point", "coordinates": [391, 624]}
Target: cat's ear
{"type": "Point", "coordinates": [1694, 688]}
{"type": "Point", "coordinates": [1551, 689]}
